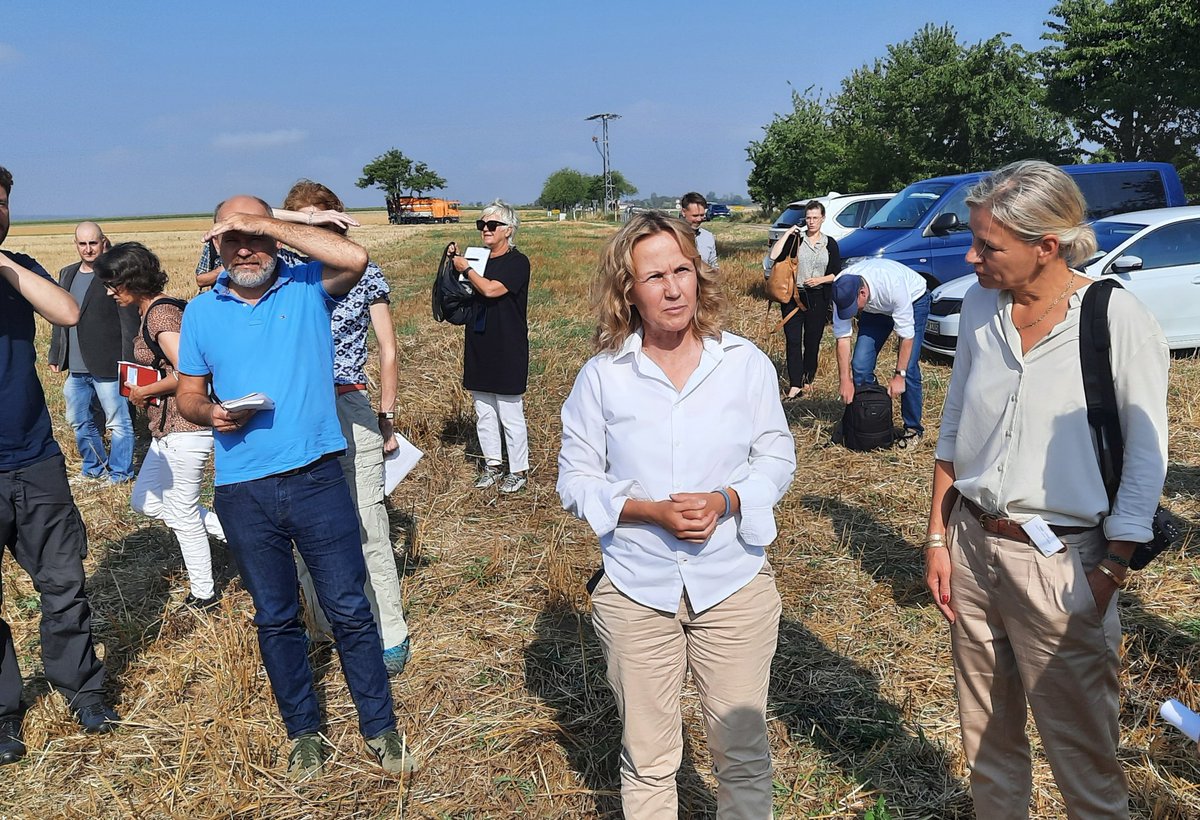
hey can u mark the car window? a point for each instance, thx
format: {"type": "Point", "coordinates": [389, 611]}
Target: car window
{"type": "Point", "coordinates": [956, 203]}
{"type": "Point", "coordinates": [906, 208]}
{"type": "Point", "coordinates": [871, 207]}
{"type": "Point", "coordinates": [791, 216]}
{"type": "Point", "coordinates": [1121, 192]}
{"type": "Point", "coordinates": [848, 218]}
{"type": "Point", "coordinates": [1170, 245]}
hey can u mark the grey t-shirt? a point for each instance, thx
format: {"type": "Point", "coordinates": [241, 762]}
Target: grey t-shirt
{"type": "Point", "coordinates": [79, 289]}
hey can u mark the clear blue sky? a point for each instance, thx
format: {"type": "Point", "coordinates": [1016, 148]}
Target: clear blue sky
{"type": "Point", "coordinates": [142, 108]}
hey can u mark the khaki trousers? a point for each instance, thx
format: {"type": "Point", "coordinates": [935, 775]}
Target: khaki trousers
{"type": "Point", "coordinates": [728, 649]}
{"type": "Point", "coordinates": [1027, 629]}
{"type": "Point", "coordinates": [363, 466]}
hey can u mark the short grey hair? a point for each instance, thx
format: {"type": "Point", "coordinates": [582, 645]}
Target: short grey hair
{"type": "Point", "coordinates": [1033, 199]}
{"type": "Point", "coordinates": [501, 210]}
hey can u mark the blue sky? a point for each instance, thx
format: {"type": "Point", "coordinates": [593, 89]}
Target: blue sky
{"type": "Point", "coordinates": [142, 108]}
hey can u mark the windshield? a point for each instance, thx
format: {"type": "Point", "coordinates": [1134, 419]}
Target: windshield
{"type": "Point", "coordinates": [791, 216]}
{"type": "Point", "coordinates": [906, 208]}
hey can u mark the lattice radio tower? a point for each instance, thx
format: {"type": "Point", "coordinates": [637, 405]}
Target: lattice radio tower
{"type": "Point", "coordinates": [609, 191]}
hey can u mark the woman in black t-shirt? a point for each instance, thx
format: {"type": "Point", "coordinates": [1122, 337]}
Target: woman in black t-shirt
{"type": "Point", "coordinates": [496, 349]}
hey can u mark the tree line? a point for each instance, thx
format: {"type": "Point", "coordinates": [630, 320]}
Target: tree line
{"type": "Point", "coordinates": [1119, 81]}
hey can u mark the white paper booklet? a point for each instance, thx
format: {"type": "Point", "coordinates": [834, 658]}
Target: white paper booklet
{"type": "Point", "coordinates": [478, 257]}
{"type": "Point", "coordinates": [1182, 718]}
{"type": "Point", "coordinates": [250, 401]}
{"type": "Point", "coordinates": [399, 463]}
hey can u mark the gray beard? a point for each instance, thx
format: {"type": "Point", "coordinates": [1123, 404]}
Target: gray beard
{"type": "Point", "coordinates": [253, 280]}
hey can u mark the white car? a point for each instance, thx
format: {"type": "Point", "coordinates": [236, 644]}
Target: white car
{"type": "Point", "coordinates": [843, 213]}
{"type": "Point", "coordinates": [1155, 255]}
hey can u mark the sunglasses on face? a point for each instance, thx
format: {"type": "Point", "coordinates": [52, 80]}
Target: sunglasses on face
{"type": "Point", "coordinates": [491, 225]}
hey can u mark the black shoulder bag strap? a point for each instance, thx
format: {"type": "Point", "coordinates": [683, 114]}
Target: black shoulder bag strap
{"type": "Point", "coordinates": [159, 355]}
{"type": "Point", "coordinates": [1095, 344]}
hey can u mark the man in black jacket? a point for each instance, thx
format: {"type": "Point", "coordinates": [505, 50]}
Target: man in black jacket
{"type": "Point", "coordinates": [89, 353]}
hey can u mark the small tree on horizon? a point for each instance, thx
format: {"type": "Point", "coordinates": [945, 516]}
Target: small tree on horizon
{"type": "Point", "coordinates": [396, 175]}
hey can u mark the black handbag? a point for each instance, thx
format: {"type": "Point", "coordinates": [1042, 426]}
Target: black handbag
{"type": "Point", "coordinates": [1094, 353]}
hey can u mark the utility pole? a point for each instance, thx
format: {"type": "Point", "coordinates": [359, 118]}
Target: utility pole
{"type": "Point", "coordinates": [609, 193]}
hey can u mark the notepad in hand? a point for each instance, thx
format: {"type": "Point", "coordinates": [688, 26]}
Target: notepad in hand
{"type": "Point", "coordinates": [131, 374]}
{"type": "Point", "coordinates": [250, 401]}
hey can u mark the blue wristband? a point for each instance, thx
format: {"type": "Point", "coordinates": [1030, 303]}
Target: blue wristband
{"type": "Point", "coordinates": [728, 502]}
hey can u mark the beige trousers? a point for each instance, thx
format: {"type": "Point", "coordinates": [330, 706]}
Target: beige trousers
{"type": "Point", "coordinates": [363, 466]}
{"type": "Point", "coordinates": [728, 649]}
{"type": "Point", "coordinates": [1027, 629]}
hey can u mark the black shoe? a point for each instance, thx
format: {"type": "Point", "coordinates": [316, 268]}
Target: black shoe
{"type": "Point", "coordinates": [202, 604]}
{"type": "Point", "coordinates": [97, 719]}
{"type": "Point", "coordinates": [12, 747]}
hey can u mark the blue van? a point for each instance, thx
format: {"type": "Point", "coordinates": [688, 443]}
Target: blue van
{"type": "Point", "coordinates": [925, 225]}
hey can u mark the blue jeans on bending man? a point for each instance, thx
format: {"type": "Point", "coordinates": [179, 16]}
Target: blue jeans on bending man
{"type": "Point", "coordinates": [81, 391]}
{"type": "Point", "coordinates": [873, 330]}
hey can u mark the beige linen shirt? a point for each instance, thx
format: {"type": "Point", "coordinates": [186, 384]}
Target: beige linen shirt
{"type": "Point", "coordinates": [1015, 426]}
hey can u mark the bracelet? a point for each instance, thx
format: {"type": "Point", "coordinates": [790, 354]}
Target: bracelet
{"type": "Point", "coordinates": [728, 501]}
{"type": "Point", "coordinates": [935, 540]}
{"type": "Point", "coordinates": [1116, 559]}
{"type": "Point", "coordinates": [1120, 582]}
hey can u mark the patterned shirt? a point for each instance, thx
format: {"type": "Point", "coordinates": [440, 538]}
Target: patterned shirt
{"type": "Point", "coordinates": [350, 321]}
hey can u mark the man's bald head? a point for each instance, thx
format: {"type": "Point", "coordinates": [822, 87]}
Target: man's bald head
{"type": "Point", "coordinates": [89, 242]}
{"type": "Point", "coordinates": [241, 204]}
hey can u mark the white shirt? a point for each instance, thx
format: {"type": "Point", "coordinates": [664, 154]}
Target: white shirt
{"type": "Point", "coordinates": [706, 246]}
{"type": "Point", "coordinates": [628, 433]}
{"type": "Point", "coordinates": [1015, 426]}
{"type": "Point", "coordinates": [894, 287]}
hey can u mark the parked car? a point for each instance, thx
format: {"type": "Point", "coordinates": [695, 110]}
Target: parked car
{"type": "Point", "coordinates": [1155, 255]}
{"type": "Point", "coordinates": [716, 210]}
{"type": "Point", "coordinates": [843, 213]}
{"type": "Point", "coordinates": [925, 225]}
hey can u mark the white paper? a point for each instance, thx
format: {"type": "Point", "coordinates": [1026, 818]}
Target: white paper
{"type": "Point", "coordinates": [251, 401]}
{"type": "Point", "coordinates": [478, 257]}
{"type": "Point", "coordinates": [399, 463]}
{"type": "Point", "coordinates": [1182, 718]}
{"type": "Point", "coordinates": [1042, 536]}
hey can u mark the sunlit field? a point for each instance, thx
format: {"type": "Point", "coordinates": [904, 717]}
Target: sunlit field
{"type": "Point", "coordinates": [504, 701]}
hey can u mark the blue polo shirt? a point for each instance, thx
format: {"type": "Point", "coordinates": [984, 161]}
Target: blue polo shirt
{"type": "Point", "coordinates": [25, 434]}
{"type": "Point", "coordinates": [280, 346]}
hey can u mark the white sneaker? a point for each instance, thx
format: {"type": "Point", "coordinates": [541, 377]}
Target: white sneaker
{"type": "Point", "coordinates": [911, 439]}
{"type": "Point", "coordinates": [488, 476]}
{"type": "Point", "coordinates": [513, 482]}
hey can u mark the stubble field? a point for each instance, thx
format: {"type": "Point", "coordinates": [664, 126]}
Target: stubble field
{"type": "Point", "coordinates": [504, 701]}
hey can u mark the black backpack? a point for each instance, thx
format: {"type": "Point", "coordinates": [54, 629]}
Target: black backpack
{"type": "Point", "coordinates": [867, 420]}
{"type": "Point", "coordinates": [453, 299]}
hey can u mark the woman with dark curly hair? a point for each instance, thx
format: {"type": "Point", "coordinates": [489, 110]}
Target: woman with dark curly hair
{"type": "Point", "coordinates": [168, 484]}
{"type": "Point", "coordinates": [675, 449]}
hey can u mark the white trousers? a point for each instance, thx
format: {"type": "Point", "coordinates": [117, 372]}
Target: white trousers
{"type": "Point", "coordinates": [494, 411]}
{"type": "Point", "coordinates": [168, 488]}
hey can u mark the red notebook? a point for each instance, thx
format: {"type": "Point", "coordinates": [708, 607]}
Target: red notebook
{"type": "Point", "coordinates": [130, 373]}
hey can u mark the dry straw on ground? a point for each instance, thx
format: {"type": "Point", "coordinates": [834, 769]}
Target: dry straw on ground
{"type": "Point", "coordinates": [505, 701]}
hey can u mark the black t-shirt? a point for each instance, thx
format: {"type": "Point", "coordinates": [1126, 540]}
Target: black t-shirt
{"type": "Point", "coordinates": [496, 357]}
{"type": "Point", "coordinates": [25, 434]}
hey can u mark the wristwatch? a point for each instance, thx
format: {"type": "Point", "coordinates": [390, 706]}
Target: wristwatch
{"type": "Point", "coordinates": [390, 415]}
{"type": "Point", "coordinates": [902, 374]}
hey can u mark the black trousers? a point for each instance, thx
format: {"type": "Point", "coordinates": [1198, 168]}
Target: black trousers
{"type": "Point", "coordinates": [803, 333]}
{"type": "Point", "coordinates": [41, 526]}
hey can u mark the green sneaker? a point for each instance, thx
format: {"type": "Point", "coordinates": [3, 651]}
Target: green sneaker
{"type": "Point", "coordinates": [307, 758]}
{"type": "Point", "coordinates": [389, 751]}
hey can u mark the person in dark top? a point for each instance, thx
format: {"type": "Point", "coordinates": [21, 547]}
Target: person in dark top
{"type": "Point", "coordinates": [39, 522]}
{"type": "Point", "coordinates": [496, 349]}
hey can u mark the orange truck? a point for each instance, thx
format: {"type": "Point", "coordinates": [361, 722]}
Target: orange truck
{"type": "Point", "coordinates": [410, 210]}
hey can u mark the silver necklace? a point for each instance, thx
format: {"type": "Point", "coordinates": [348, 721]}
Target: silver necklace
{"type": "Point", "coordinates": [1057, 299]}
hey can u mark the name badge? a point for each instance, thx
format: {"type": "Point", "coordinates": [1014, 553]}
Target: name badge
{"type": "Point", "coordinates": [1042, 536]}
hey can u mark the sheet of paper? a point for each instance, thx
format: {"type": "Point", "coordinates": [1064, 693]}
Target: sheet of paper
{"type": "Point", "coordinates": [1042, 536]}
{"type": "Point", "coordinates": [478, 257]}
{"type": "Point", "coordinates": [1182, 718]}
{"type": "Point", "coordinates": [250, 401]}
{"type": "Point", "coordinates": [399, 463]}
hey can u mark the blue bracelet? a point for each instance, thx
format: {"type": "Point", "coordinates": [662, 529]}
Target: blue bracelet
{"type": "Point", "coordinates": [728, 502]}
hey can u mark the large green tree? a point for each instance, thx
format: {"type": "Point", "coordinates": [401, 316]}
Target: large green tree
{"type": "Point", "coordinates": [621, 186]}
{"type": "Point", "coordinates": [935, 106]}
{"type": "Point", "coordinates": [799, 155]}
{"type": "Point", "coordinates": [564, 189]}
{"type": "Point", "coordinates": [1126, 75]}
{"type": "Point", "coordinates": [397, 175]}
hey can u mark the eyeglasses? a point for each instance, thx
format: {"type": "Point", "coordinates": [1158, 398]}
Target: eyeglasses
{"type": "Point", "coordinates": [491, 225]}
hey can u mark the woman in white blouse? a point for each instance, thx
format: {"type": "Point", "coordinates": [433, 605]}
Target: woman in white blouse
{"type": "Point", "coordinates": [675, 449]}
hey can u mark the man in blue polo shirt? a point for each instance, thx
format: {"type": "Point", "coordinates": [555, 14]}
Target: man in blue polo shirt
{"type": "Point", "coordinates": [264, 328]}
{"type": "Point", "coordinates": [39, 522]}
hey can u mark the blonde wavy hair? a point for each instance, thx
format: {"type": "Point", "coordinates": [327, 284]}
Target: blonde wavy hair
{"type": "Point", "coordinates": [1034, 199]}
{"type": "Point", "coordinates": [616, 317]}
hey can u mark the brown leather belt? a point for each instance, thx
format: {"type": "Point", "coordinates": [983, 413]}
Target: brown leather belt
{"type": "Point", "coordinates": [343, 389]}
{"type": "Point", "coordinates": [1007, 527]}
{"type": "Point", "coordinates": [308, 466]}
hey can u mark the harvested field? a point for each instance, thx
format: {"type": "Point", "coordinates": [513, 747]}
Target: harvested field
{"type": "Point", "coordinates": [504, 701]}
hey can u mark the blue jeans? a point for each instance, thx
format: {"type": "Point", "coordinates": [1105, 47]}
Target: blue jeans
{"type": "Point", "coordinates": [313, 509]}
{"type": "Point", "coordinates": [873, 330]}
{"type": "Point", "coordinates": [80, 391]}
